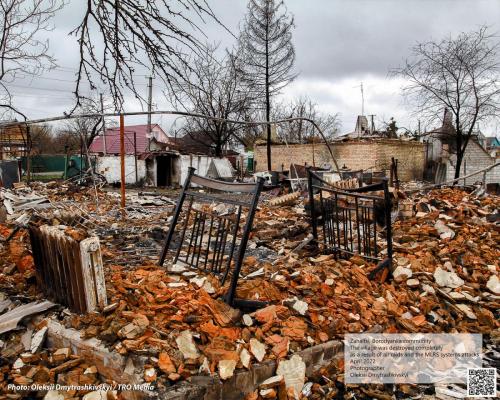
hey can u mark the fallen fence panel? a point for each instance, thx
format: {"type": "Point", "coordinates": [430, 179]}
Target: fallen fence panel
{"type": "Point", "coordinates": [209, 231]}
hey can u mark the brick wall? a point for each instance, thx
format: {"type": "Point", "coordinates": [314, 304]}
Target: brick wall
{"type": "Point", "coordinates": [373, 154]}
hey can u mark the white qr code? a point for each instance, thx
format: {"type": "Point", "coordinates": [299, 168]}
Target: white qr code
{"type": "Point", "coordinates": [482, 382]}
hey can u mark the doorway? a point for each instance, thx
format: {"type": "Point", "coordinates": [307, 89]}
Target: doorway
{"type": "Point", "coordinates": [164, 170]}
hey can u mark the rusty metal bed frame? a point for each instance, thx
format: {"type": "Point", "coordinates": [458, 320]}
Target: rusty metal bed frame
{"type": "Point", "coordinates": [350, 220]}
{"type": "Point", "coordinates": [206, 240]}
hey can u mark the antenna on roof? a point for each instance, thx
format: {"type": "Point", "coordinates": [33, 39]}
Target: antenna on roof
{"type": "Point", "coordinates": [362, 98]}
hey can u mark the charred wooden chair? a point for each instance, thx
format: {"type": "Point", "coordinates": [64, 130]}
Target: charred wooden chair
{"type": "Point", "coordinates": [210, 229]}
{"type": "Point", "coordinates": [351, 220]}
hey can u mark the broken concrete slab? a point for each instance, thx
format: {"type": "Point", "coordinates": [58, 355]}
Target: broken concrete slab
{"type": "Point", "coordinates": [258, 349]}
{"type": "Point", "coordinates": [401, 273]}
{"type": "Point", "coordinates": [245, 358]}
{"type": "Point", "coordinates": [226, 368]}
{"type": "Point", "coordinates": [493, 284]}
{"type": "Point", "coordinates": [294, 373]}
{"type": "Point", "coordinates": [447, 279]}
{"type": "Point", "coordinates": [445, 232]}
{"type": "Point", "coordinates": [53, 395]}
{"type": "Point", "coordinates": [413, 283]}
{"type": "Point", "coordinates": [272, 382]}
{"type": "Point", "coordinates": [38, 340]}
{"type": "Point", "coordinates": [247, 320]}
{"type": "Point", "coordinates": [467, 310]}
{"type": "Point", "coordinates": [186, 345]}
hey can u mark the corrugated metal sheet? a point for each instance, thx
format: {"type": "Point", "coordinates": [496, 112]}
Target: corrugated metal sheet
{"type": "Point", "coordinates": [220, 168]}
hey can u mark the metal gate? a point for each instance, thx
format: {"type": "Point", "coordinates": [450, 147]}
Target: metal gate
{"type": "Point", "coordinates": [352, 221]}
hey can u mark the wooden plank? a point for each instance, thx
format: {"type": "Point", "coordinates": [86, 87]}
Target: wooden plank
{"type": "Point", "coordinates": [93, 274]}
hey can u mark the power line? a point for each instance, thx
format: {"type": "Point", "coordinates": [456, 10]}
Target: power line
{"type": "Point", "coordinates": [37, 96]}
{"type": "Point", "coordinates": [32, 77]}
{"type": "Point", "coordinates": [68, 92]}
{"type": "Point", "coordinates": [38, 88]}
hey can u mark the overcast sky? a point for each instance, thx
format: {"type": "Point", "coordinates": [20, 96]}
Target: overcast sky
{"type": "Point", "coordinates": [339, 44]}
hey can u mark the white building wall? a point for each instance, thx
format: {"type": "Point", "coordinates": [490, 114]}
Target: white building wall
{"type": "Point", "coordinates": [201, 163]}
{"type": "Point", "coordinates": [434, 148]}
{"type": "Point", "coordinates": [475, 159]}
{"type": "Point", "coordinates": [109, 166]}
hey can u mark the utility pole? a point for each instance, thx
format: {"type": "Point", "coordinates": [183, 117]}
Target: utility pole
{"type": "Point", "coordinates": [103, 125]}
{"type": "Point", "coordinates": [150, 109]}
{"type": "Point", "coordinates": [372, 128]}
{"type": "Point", "coordinates": [122, 163]}
{"type": "Point", "coordinates": [150, 101]}
{"type": "Point", "coordinates": [135, 158]}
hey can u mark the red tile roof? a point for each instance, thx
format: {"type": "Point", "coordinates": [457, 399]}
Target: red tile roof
{"type": "Point", "coordinates": [113, 140]}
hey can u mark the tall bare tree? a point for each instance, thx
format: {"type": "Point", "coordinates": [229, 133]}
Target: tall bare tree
{"type": "Point", "coordinates": [118, 37]}
{"type": "Point", "coordinates": [22, 52]}
{"type": "Point", "coordinates": [302, 131]}
{"type": "Point", "coordinates": [460, 74]}
{"type": "Point", "coordinates": [265, 46]}
{"type": "Point", "coordinates": [210, 87]}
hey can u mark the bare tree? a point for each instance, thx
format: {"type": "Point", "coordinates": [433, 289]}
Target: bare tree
{"type": "Point", "coordinates": [302, 131]}
{"type": "Point", "coordinates": [211, 87]}
{"type": "Point", "coordinates": [22, 53]}
{"type": "Point", "coordinates": [87, 128]}
{"type": "Point", "coordinates": [460, 74]}
{"type": "Point", "coordinates": [268, 55]}
{"type": "Point", "coordinates": [64, 141]}
{"type": "Point", "coordinates": [46, 140]}
{"type": "Point", "coordinates": [42, 140]}
{"type": "Point", "coordinates": [118, 37]}
{"type": "Point", "coordinates": [391, 129]}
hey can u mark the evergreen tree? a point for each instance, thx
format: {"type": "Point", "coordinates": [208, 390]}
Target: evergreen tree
{"type": "Point", "coordinates": [267, 52]}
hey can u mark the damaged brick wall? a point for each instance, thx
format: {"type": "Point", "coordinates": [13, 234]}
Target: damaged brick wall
{"type": "Point", "coordinates": [354, 154]}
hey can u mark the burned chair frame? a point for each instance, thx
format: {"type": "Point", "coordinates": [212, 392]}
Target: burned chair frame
{"type": "Point", "coordinates": [349, 220]}
{"type": "Point", "coordinates": [220, 231]}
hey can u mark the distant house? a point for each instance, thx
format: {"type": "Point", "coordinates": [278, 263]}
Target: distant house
{"type": "Point", "coordinates": [441, 155]}
{"type": "Point", "coordinates": [137, 140]}
{"type": "Point", "coordinates": [201, 143]}
{"type": "Point", "coordinates": [362, 129]}
{"type": "Point", "coordinates": [493, 146]}
{"type": "Point", "coordinates": [13, 141]}
{"type": "Point", "coordinates": [152, 158]}
{"type": "Point", "coordinates": [195, 143]}
{"type": "Point", "coordinates": [492, 143]}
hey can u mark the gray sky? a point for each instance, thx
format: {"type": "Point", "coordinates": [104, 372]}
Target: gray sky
{"type": "Point", "coordinates": [339, 44]}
